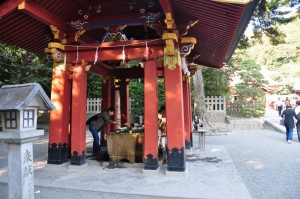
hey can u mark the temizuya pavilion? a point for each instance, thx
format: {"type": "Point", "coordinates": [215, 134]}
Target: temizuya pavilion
{"type": "Point", "coordinates": [99, 36]}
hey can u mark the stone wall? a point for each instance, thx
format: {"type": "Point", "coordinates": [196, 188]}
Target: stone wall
{"type": "Point", "coordinates": [216, 116]}
{"type": "Point", "coordinates": [245, 123]}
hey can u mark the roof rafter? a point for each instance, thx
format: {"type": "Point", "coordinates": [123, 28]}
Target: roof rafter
{"type": "Point", "coordinates": [8, 7]}
{"type": "Point", "coordinates": [42, 15]}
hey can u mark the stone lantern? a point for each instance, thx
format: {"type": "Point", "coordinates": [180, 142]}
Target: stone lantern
{"type": "Point", "coordinates": [19, 105]}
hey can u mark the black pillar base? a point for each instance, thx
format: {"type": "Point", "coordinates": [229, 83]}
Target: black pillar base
{"type": "Point", "coordinates": [150, 163]}
{"type": "Point", "coordinates": [176, 159]}
{"type": "Point", "coordinates": [58, 153]}
{"type": "Point", "coordinates": [77, 159]}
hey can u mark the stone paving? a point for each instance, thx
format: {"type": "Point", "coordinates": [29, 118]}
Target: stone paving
{"type": "Point", "coordinates": [211, 173]}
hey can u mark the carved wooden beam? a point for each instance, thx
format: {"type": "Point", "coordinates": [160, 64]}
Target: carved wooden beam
{"type": "Point", "coordinates": [166, 6]}
{"type": "Point", "coordinates": [170, 39]}
{"type": "Point", "coordinates": [99, 70]}
{"type": "Point", "coordinates": [109, 51]}
{"type": "Point", "coordinates": [186, 45]}
{"type": "Point", "coordinates": [184, 27]}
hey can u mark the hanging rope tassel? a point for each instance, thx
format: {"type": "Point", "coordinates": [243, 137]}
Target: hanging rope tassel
{"type": "Point", "coordinates": [147, 49]}
{"type": "Point", "coordinates": [96, 56]}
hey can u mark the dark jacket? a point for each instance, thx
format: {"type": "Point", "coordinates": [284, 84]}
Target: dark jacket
{"type": "Point", "coordinates": [297, 111]}
{"type": "Point", "coordinates": [101, 121]}
{"type": "Point", "coordinates": [289, 115]}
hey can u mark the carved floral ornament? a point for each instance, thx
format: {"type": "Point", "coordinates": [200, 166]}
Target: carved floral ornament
{"type": "Point", "coordinates": [186, 45]}
{"type": "Point", "coordinates": [172, 60]}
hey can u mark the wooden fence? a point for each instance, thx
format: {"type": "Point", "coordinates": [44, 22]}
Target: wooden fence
{"type": "Point", "coordinates": [215, 103]}
{"type": "Point", "coordinates": [93, 105]}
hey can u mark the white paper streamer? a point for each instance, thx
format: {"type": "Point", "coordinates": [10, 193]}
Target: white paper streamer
{"type": "Point", "coordinates": [96, 56]}
{"type": "Point", "coordinates": [123, 54]}
{"type": "Point", "coordinates": [185, 67]}
{"type": "Point", "coordinates": [77, 56]}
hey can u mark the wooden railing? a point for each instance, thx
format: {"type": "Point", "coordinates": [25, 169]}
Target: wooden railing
{"type": "Point", "coordinates": [213, 103]}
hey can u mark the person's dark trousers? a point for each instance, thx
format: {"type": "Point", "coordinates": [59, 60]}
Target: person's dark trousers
{"type": "Point", "coordinates": [289, 133]}
{"type": "Point", "coordinates": [298, 130]}
{"type": "Point", "coordinates": [96, 143]}
{"type": "Point", "coordinates": [279, 108]}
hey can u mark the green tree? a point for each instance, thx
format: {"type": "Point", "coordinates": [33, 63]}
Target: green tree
{"type": "Point", "coordinates": [94, 86]}
{"type": "Point", "coordinates": [18, 66]}
{"type": "Point", "coordinates": [282, 60]}
{"type": "Point", "coordinates": [216, 81]}
{"type": "Point", "coordinates": [136, 94]}
{"type": "Point", "coordinates": [269, 15]}
{"type": "Point", "coordinates": [249, 88]}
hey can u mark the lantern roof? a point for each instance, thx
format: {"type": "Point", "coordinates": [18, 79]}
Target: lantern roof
{"type": "Point", "coordinates": [18, 97]}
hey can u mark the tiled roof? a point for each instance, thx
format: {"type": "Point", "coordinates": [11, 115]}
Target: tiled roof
{"type": "Point", "coordinates": [18, 97]}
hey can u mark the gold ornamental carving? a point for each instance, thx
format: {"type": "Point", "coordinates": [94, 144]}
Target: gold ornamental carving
{"type": "Point", "coordinates": [171, 61]}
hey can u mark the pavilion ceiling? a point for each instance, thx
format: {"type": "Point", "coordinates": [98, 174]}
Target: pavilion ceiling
{"type": "Point", "coordinates": [217, 26]}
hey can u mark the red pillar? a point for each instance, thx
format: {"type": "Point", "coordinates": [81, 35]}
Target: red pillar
{"type": "Point", "coordinates": [175, 119]}
{"type": "Point", "coordinates": [115, 104]}
{"type": "Point", "coordinates": [150, 115]}
{"type": "Point", "coordinates": [78, 128]}
{"type": "Point", "coordinates": [59, 118]}
{"type": "Point", "coordinates": [187, 122]}
{"type": "Point", "coordinates": [107, 84]}
{"type": "Point", "coordinates": [124, 96]}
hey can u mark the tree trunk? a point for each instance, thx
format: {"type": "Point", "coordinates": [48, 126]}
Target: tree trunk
{"type": "Point", "coordinates": [199, 97]}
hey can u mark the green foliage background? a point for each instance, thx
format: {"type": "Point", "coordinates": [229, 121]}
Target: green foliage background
{"type": "Point", "coordinates": [17, 66]}
{"type": "Point", "coordinates": [136, 94]}
{"type": "Point", "coordinates": [281, 59]}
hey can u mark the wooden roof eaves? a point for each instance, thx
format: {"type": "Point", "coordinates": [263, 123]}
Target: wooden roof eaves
{"type": "Point", "coordinates": [9, 6]}
{"type": "Point", "coordinates": [248, 12]}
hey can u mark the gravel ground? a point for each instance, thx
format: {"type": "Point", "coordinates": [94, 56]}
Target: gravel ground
{"type": "Point", "coordinates": [268, 165]}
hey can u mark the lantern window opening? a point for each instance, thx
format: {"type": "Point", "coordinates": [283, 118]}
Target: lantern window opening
{"type": "Point", "coordinates": [28, 118]}
{"type": "Point", "coordinates": [10, 118]}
